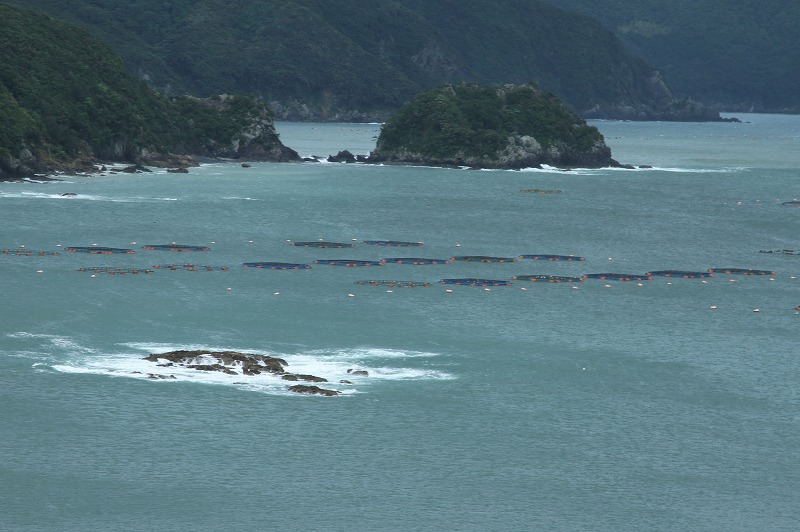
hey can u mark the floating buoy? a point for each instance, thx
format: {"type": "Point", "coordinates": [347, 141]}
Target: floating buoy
{"type": "Point", "coordinates": [713, 307]}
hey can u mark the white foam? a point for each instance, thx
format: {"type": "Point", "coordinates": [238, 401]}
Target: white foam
{"type": "Point", "coordinates": [332, 365]}
{"type": "Point", "coordinates": [86, 197]}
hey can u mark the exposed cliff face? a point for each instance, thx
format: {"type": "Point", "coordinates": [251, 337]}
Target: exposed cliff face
{"type": "Point", "coordinates": [656, 102]}
{"type": "Point", "coordinates": [509, 126]}
{"type": "Point", "coordinates": [251, 136]}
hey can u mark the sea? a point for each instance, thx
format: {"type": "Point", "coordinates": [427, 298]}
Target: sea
{"type": "Point", "coordinates": [663, 403]}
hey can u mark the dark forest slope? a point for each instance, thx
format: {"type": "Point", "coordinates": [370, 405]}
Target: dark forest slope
{"type": "Point", "coordinates": [362, 59]}
{"type": "Point", "coordinates": [737, 54]}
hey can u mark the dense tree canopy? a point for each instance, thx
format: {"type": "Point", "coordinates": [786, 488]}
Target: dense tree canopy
{"type": "Point", "coordinates": [338, 56]}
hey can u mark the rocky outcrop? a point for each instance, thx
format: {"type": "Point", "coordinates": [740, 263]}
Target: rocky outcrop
{"type": "Point", "coordinates": [312, 390]}
{"type": "Point", "coordinates": [236, 363]}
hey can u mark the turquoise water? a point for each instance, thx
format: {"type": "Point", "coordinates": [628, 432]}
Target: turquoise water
{"type": "Point", "coordinates": [586, 406]}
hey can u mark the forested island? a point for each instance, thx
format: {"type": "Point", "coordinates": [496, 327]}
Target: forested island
{"type": "Point", "coordinates": [503, 126]}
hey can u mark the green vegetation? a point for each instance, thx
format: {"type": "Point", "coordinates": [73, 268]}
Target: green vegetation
{"type": "Point", "coordinates": [360, 58]}
{"type": "Point", "coordinates": [484, 125]}
{"type": "Point", "coordinates": [66, 96]}
{"type": "Point", "coordinates": [738, 54]}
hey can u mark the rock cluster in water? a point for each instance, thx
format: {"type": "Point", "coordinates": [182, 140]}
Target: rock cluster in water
{"type": "Point", "coordinates": [236, 363]}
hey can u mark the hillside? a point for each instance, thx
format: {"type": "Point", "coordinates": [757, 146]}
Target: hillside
{"type": "Point", "coordinates": [67, 100]}
{"type": "Point", "coordinates": [362, 59]}
{"type": "Point", "coordinates": [490, 126]}
{"type": "Point", "coordinates": [738, 55]}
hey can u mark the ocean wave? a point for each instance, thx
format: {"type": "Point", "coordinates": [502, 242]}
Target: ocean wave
{"type": "Point", "coordinates": [335, 365]}
{"type": "Point", "coordinates": [84, 197]}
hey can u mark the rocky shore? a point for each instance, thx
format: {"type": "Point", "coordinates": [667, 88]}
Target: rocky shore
{"type": "Point", "coordinates": [245, 364]}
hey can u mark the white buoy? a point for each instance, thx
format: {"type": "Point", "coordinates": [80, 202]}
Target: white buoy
{"type": "Point", "coordinates": [449, 291]}
{"type": "Point", "coordinates": [523, 288]}
{"type": "Point", "coordinates": [351, 295]}
{"type": "Point", "coordinates": [756, 310]}
{"type": "Point", "coordinates": [488, 289]}
{"type": "Point", "coordinates": [713, 307]}
{"type": "Point", "coordinates": [228, 289]}
{"type": "Point", "coordinates": [276, 294]}
{"type": "Point", "coordinates": [39, 271]}
{"type": "Point", "coordinates": [608, 286]}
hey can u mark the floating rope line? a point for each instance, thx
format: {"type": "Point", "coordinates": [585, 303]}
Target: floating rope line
{"type": "Point", "coordinates": [552, 257]}
{"type": "Point", "coordinates": [99, 250]}
{"type": "Point", "coordinates": [393, 284]}
{"type": "Point", "coordinates": [414, 260]}
{"type": "Point", "coordinates": [740, 271]}
{"type": "Point", "coordinates": [174, 247]}
{"type": "Point", "coordinates": [548, 278]}
{"type": "Point", "coordinates": [190, 267]}
{"type": "Point", "coordinates": [396, 243]}
{"type": "Point", "coordinates": [617, 277]}
{"type": "Point", "coordinates": [482, 258]}
{"type": "Point", "coordinates": [321, 244]}
{"type": "Point", "coordinates": [540, 191]}
{"type": "Point", "coordinates": [680, 273]}
{"type": "Point", "coordinates": [349, 262]}
{"type": "Point", "coordinates": [783, 251]}
{"type": "Point", "coordinates": [114, 270]}
{"type": "Point", "coordinates": [471, 281]}
{"type": "Point", "coordinates": [24, 252]}
{"type": "Point", "coordinates": [277, 265]}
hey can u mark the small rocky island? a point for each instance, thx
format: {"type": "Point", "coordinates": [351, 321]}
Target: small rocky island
{"type": "Point", "coordinates": [494, 126]}
{"type": "Point", "coordinates": [246, 364]}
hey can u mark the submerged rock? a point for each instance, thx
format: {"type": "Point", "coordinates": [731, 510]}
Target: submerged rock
{"type": "Point", "coordinates": [312, 390]}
